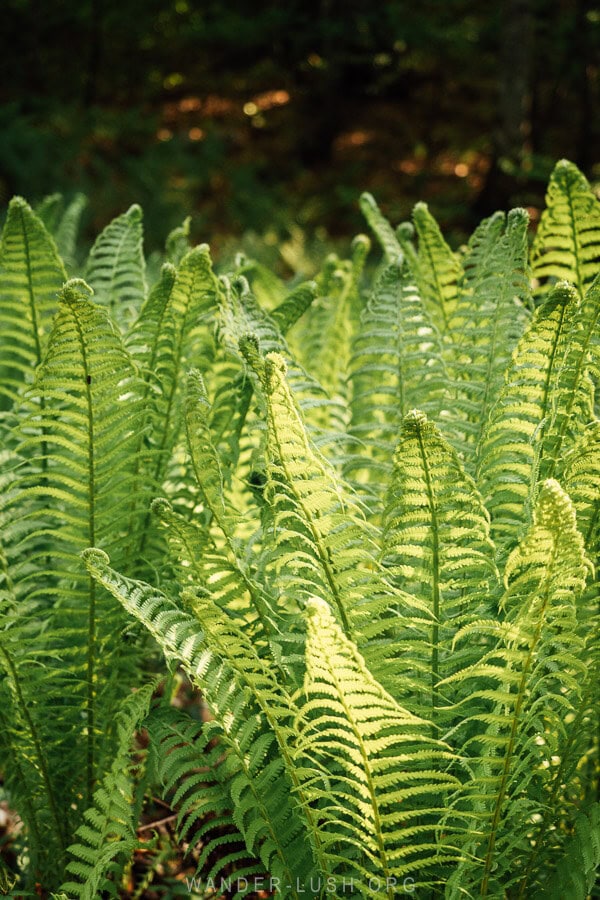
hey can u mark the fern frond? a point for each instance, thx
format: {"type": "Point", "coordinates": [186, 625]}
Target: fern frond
{"type": "Point", "coordinates": [31, 274]}
{"type": "Point", "coordinates": [115, 269]}
{"type": "Point", "coordinates": [67, 229]}
{"type": "Point", "coordinates": [438, 270]}
{"type": "Point", "coordinates": [514, 433]}
{"type": "Point", "coordinates": [107, 838]}
{"type": "Point", "coordinates": [567, 242]}
{"type": "Point", "coordinates": [436, 545]}
{"type": "Point", "coordinates": [491, 314]}
{"type": "Point", "coordinates": [178, 242]}
{"type": "Point", "coordinates": [572, 403]}
{"type": "Point", "coordinates": [252, 710]}
{"type": "Point", "coordinates": [373, 777]}
{"type": "Point", "coordinates": [188, 760]}
{"type": "Point", "coordinates": [293, 307]}
{"type": "Point", "coordinates": [532, 681]}
{"type": "Point", "coordinates": [381, 228]}
{"type": "Point", "coordinates": [396, 365]}
{"type": "Point", "coordinates": [75, 489]}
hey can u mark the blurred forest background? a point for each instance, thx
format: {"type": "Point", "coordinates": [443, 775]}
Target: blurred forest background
{"type": "Point", "coordinates": [271, 117]}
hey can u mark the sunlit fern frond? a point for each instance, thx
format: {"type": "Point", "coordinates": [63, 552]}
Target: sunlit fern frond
{"type": "Point", "coordinates": [375, 780]}
{"type": "Point", "coordinates": [31, 274]}
{"type": "Point", "coordinates": [438, 269]}
{"type": "Point", "coordinates": [436, 545]}
{"type": "Point", "coordinates": [491, 314]}
{"type": "Point", "coordinates": [116, 269]}
{"type": "Point", "coordinates": [567, 242]}
{"type": "Point", "coordinates": [532, 682]}
{"type": "Point", "coordinates": [396, 365]}
{"type": "Point", "coordinates": [510, 447]}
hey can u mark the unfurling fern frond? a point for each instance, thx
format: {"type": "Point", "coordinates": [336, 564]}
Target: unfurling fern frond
{"type": "Point", "coordinates": [567, 242]}
{"type": "Point", "coordinates": [116, 267]}
{"type": "Point", "coordinates": [532, 682]}
{"type": "Point", "coordinates": [107, 839]}
{"type": "Point", "coordinates": [436, 546]}
{"type": "Point", "coordinates": [31, 274]}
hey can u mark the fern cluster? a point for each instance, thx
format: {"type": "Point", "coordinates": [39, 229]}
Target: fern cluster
{"type": "Point", "coordinates": [360, 513]}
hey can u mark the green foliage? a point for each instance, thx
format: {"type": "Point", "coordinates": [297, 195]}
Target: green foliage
{"type": "Point", "coordinates": [361, 514]}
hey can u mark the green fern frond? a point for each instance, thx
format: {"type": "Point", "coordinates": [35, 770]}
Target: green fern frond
{"type": "Point", "coordinates": [189, 764]}
{"type": "Point", "coordinates": [512, 438]}
{"type": "Point", "coordinates": [31, 274]}
{"type": "Point", "coordinates": [491, 314]}
{"type": "Point", "coordinates": [253, 713]}
{"type": "Point", "coordinates": [567, 242]}
{"type": "Point", "coordinates": [73, 490]}
{"type": "Point", "coordinates": [381, 228]}
{"type": "Point", "coordinates": [116, 268]}
{"type": "Point", "coordinates": [67, 229]}
{"type": "Point", "coordinates": [293, 307]}
{"type": "Point", "coordinates": [396, 365]}
{"type": "Point", "coordinates": [178, 242]}
{"type": "Point", "coordinates": [438, 271]}
{"type": "Point", "coordinates": [107, 839]}
{"type": "Point", "coordinates": [573, 395]}
{"type": "Point", "coordinates": [532, 681]}
{"type": "Point", "coordinates": [436, 545]}
{"type": "Point", "coordinates": [373, 778]}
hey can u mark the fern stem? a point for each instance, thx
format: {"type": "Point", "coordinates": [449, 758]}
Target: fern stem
{"type": "Point", "coordinates": [92, 625]}
{"type": "Point", "coordinates": [435, 564]}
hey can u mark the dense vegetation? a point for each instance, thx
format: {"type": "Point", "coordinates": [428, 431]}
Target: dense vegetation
{"type": "Point", "coordinates": [360, 514]}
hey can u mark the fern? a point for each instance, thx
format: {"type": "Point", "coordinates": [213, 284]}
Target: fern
{"type": "Point", "coordinates": [567, 243]}
{"type": "Point", "coordinates": [115, 269]}
{"type": "Point", "coordinates": [31, 273]}
{"type": "Point", "coordinates": [436, 545]}
{"type": "Point", "coordinates": [107, 839]}
{"type": "Point", "coordinates": [360, 514]}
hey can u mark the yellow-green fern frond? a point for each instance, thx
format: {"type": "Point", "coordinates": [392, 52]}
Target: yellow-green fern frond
{"type": "Point", "coordinates": [116, 267]}
{"type": "Point", "coordinates": [512, 438]}
{"type": "Point", "coordinates": [438, 270]}
{"type": "Point", "coordinates": [532, 683]}
{"type": "Point", "coordinates": [31, 274]}
{"type": "Point", "coordinates": [375, 781]}
{"type": "Point", "coordinates": [381, 228]}
{"type": "Point", "coordinates": [491, 314]}
{"type": "Point", "coordinates": [436, 545]}
{"type": "Point", "coordinates": [567, 242]}
{"type": "Point", "coordinates": [396, 365]}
